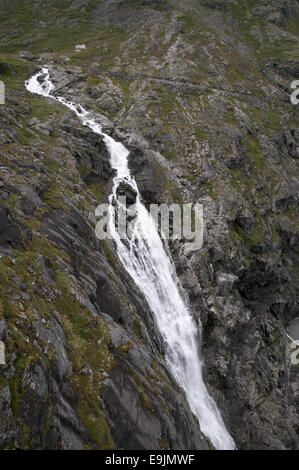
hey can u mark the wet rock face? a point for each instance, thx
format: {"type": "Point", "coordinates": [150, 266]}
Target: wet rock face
{"type": "Point", "coordinates": [9, 232]}
{"type": "Point", "coordinates": [34, 398]}
{"type": "Point", "coordinates": [126, 15]}
{"type": "Point", "coordinates": [148, 173]}
{"type": "Point", "coordinates": [275, 12]}
{"type": "Point", "coordinates": [74, 326]}
{"type": "Point", "coordinates": [8, 427]}
{"type": "Point", "coordinates": [136, 425]}
{"type": "Point", "coordinates": [91, 154]}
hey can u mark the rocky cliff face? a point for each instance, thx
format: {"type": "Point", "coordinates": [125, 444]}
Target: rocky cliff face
{"type": "Point", "coordinates": [199, 91]}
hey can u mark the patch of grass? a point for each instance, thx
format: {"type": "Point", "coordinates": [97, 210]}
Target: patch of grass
{"type": "Point", "coordinates": [92, 415]}
{"type": "Point", "coordinates": [13, 200]}
{"type": "Point", "coordinates": [96, 190]}
{"type": "Point", "coordinates": [125, 348]}
{"type": "Point", "coordinates": [43, 108]}
{"type": "Point", "coordinates": [201, 135]}
{"type": "Point", "coordinates": [256, 153]}
{"type": "Point", "coordinates": [293, 24]}
{"type": "Point", "coordinates": [257, 236]}
{"type": "Point", "coordinates": [189, 21]}
{"type": "Point", "coordinates": [237, 236]}
{"type": "Point", "coordinates": [163, 443]}
{"type": "Point", "coordinates": [284, 48]}
{"type": "Point", "coordinates": [141, 389]}
{"type": "Point", "coordinates": [26, 136]}
{"type": "Point", "coordinates": [273, 120]}
{"type": "Point", "coordinates": [89, 341]}
{"type": "Point", "coordinates": [62, 281]}
{"type": "Point", "coordinates": [209, 188]}
{"type": "Point", "coordinates": [137, 328]}
{"type": "Point", "coordinates": [44, 246]}
{"type": "Point", "coordinates": [14, 71]}
{"type": "Point", "coordinates": [241, 182]}
{"type": "Point", "coordinates": [109, 255]}
{"type": "Point", "coordinates": [162, 378]}
{"type": "Point", "coordinates": [275, 234]}
{"type": "Point", "coordinates": [234, 75]}
{"type": "Point", "coordinates": [55, 197]}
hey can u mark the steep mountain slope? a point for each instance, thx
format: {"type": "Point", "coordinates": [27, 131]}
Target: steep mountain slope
{"type": "Point", "coordinates": [200, 93]}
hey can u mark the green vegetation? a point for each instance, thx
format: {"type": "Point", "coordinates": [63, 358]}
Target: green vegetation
{"type": "Point", "coordinates": [141, 389]}
{"type": "Point", "coordinates": [54, 197]}
{"type": "Point", "coordinates": [209, 188]}
{"type": "Point", "coordinates": [201, 135]}
{"type": "Point", "coordinates": [13, 71]}
{"type": "Point", "coordinates": [241, 183]}
{"type": "Point", "coordinates": [88, 337]}
{"type": "Point", "coordinates": [256, 153]}
{"type": "Point", "coordinates": [163, 443]}
{"type": "Point", "coordinates": [125, 348]}
{"type": "Point", "coordinates": [137, 328]}
{"type": "Point", "coordinates": [89, 340]}
{"type": "Point", "coordinates": [96, 190]}
{"type": "Point", "coordinates": [13, 200]}
{"type": "Point", "coordinates": [274, 120]}
{"type": "Point", "coordinates": [257, 236]}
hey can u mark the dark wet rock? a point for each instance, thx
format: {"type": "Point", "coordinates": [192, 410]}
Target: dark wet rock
{"type": "Point", "coordinates": [144, 426]}
{"type": "Point", "coordinates": [3, 329]}
{"type": "Point", "coordinates": [69, 427]}
{"type": "Point", "coordinates": [214, 5]}
{"type": "Point", "coordinates": [30, 202]}
{"type": "Point", "coordinates": [67, 230]}
{"type": "Point", "coordinates": [148, 173]}
{"type": "Point", "coordinates": [42, 185]}
{"type": "Point", "coordinates": [8, 427]}
{"type": "Point", "coordinates": [245, 220]}
{"type": "Point", "coordinates": [225, 282]}
{"type": "Point", "coordinates": [55, 336]}
{"type": "Point", "coordinates": [124, 190]}
{"type": "Point", "coordinates": [91, 153]}
{"type": "Point", "coordinates": [35, 394]}
{"type": "Point", "coordinates": [26, 55]}
{"type": "Point", "coordinates": [107, 300]}
{"type": "Point", "coordinates": [10, 233]}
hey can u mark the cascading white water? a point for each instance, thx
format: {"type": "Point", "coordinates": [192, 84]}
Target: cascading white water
{"type": "Point", "coordinates": [152, 269]}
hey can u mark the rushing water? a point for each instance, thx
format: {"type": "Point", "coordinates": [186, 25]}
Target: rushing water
{"type": "Point", "coordinates": [146, 260]}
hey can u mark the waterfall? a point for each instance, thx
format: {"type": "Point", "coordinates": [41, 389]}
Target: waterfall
{"type": "Point", "coordinates": [150, 265]}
